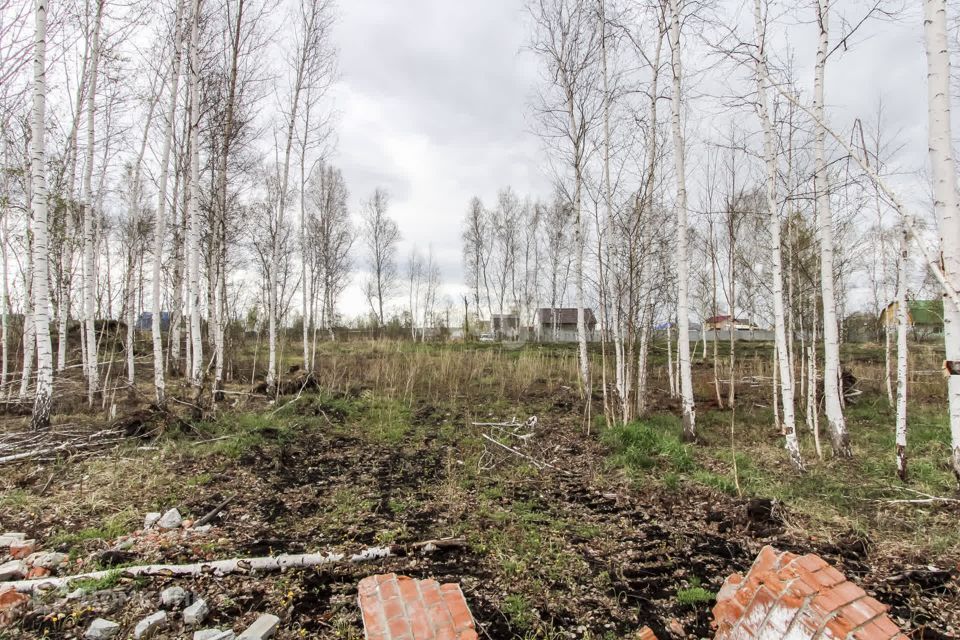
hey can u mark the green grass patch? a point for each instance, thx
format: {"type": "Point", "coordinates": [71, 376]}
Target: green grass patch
{"type": "Point", "coordinates": [653, 443]}
{"type": "Point", "coordinates": [112, 528]}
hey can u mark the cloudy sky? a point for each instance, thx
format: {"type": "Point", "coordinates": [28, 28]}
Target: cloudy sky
{"type": "Point", "coordinates": [434, 106]}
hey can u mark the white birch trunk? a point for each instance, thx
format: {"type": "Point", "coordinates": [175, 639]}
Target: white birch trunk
{"type": "Point", "coordinates": [831, 339]}
{"type": "Point", "coordinates": [946, 204]}
{"type": "Point", "coordinates": [901, 431]}
{"type": "Point", "coordinates": [193, 235]}
{"type": "Point", "coordinates": [41, 283]}
{"type": "Point", "coordinates": [683, 266]}
{"type": "Point", "coordinates": [89, 229]}
{"type": "Point", "coordinates": [671, 379]}
{"type": "Point", "coordinates": [788, 425]}
{"type": "Point", "coordinates": [160, 229]}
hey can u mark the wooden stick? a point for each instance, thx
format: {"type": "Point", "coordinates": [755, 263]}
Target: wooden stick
{"type": "Point", "coordinates": [537, 463]}
{"type": "Point", "coordinates": [213, 512]}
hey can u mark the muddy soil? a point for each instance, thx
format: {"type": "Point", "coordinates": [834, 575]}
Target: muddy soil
{"type": "Point", "coordinates": [576, 550]}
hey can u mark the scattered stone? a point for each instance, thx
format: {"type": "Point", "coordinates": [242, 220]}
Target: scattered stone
{"type": "Point", "coordinates": [22, 548]}
{"type": "Point", "coordinates": [47, 559]}
{"type": "Point", "coordinates": [114, 557]}
{"type": "Point", "coordinates": [100, 629]}
{"type": "Point", "coordinates": [203, 528]}
{"type": "Point", "coordinates": [264, 627]}
{"type": "Point", "coordinates": [151, 519]}
{"type": "Point", "coordinates": [196, 613]}
{"type": "Point", "coordinates": [187, 524]}
{"type": "Point", "coordinates": [213, 634]}
{"type": "Point", "coordinates": [76, 594]}
{"type": "Point", "coordinates": [150, 625]}
{"type": "Point", "coordinates": [170, 520]}
{"type": "Point", "coordinates": [125, 544]}
{"type": "Point", "coordinates": [646, 634]}
{"type": "Point", "coordinates": [10, 537]}
{"type": "Point", "coordinates": [13, 570]}
{"type": "Point", "coordinates": [173, 597]}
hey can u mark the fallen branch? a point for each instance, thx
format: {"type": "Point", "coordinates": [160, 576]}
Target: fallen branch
{"type": "Point", "coordinates": [537, 463]}
{"type": "Point", "coordinates": [235, 565]}
{"type": "Point", "coordinates": [213, 512]}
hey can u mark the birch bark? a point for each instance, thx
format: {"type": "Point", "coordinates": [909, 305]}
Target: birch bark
{"type": "Point", "coordinates": [193, 235]}
{"type": "Point", "coordinates": [89, 229]}
{"type": "Point", "coordinates": [946, 204]}
{"type": "Point", "coordinates": [788, 424]}
{"type": "Point", "coordinates": [41, 283]}
{"type": "Point", "coordinates": [683, 265]}
{"type": "Point", "coordinates": [901, 432]}
{"type": "Point", "coordinates": [831, 339]}
{"type": "Point", "coordinates": [160, 229]}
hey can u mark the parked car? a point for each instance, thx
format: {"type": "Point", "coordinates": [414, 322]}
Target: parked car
{"type": "Point", "coordinates": [487, 337]}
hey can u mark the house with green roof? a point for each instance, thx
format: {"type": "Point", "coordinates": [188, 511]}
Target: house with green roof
{"type": "Point", "coordinates": [925, 317]}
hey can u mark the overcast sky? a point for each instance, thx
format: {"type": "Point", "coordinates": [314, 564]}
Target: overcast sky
{"type": "Point", "coordinates": [433, 103]}
{"type": "Point", "coordinates": [434, 106]}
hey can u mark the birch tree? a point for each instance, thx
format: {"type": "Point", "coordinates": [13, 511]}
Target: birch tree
{"type": "Point", "coordinates": [770, 156]}
{"type": "Point", "coordinates": [566, 39]}
{"type": "Point", "coordinates": [946, 204]}
{"type": "Point", "coordinates": [682, 260]}
{"type": "Point", "coordinates": [831, 339]}
{"type": "Point", "coordinates": [160, 224]}
{"type": "Point", "coordinates": [381, 236]}
{"type": "Point", "coordinates": [193, 214]}
{"type": "Point", "coordinates": [309, 52]}
{"type": "Point", "coordinates": [901, 406]}
{"type": "Point", "coordinates": [41, 302]}
{"type": "Point", "coordinates": [89, 230]}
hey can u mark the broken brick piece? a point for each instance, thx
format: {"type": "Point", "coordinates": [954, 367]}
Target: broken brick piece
{"type": "Point", "coordinates": [802, 598]}
{"type": "Point", "coordinates": [22, 548]}
{"type": "Point", "coordinates": [402, 608]}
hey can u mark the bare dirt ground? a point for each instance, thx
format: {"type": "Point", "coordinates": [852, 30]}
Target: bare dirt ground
{"type": "Point", "coordinates": [575, 550]}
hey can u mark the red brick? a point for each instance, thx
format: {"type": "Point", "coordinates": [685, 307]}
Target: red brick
{"type": "Point", "coordinates": [646, 633]}
{"type": "Point", "coordinates": [810, 563]}
{"type": "Point", "coordinates": [458, 611]}
{"type": "Point", "coordinates": [440, 618]}
{"type": "Point", "coordinates": [10, 602]}
{"type": "Point", "coordinates": [368, 585]}
{"type": "Point", "coordinates": [767, 560]}
{"type": "Point", "coordinates": [20, 550]}
{"type": "Point", "coordinates": [750, 622]}
{"type": "Point", "coordinates": [779, 618]}
{"type": "Point", "coordinates": [393, 608]}
{"type": "Point", "coordinates": [399, 627]}
{"type": "Point", "coordinates": [402, 608]}
{"type": "Point", "coordinates": [862, 611]}
{"type": "Point", "coordinates": [430, 593]}
{"type": "Point", "coordinates": [829, 577]}
{"type": "Point", "coordinates": [389, 588]}
{"type": "Point", "coordinates": [37, 572]}
{"type": "Point", "coordinates": [802, 598]}
{"type": "Point", "coordinates": [831, 600]}
{"type": "Point", "coordinates": [374, 625]}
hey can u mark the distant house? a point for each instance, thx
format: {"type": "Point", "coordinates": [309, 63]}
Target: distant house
{"type": "Point", "coordinates": [925, 317]}
{"type": "Point", "coordinates": [725, 323]}
{"type": "Point", "coordinates": [505, 325]}
{"type": "Point", "coordinates": [145, 321]}
{"type": "Point", "coordinates": [560, 324]}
